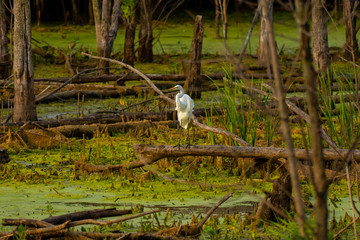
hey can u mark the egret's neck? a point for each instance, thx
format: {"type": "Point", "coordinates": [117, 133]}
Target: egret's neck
{"type": "Point", "coordinates": [181, 93]}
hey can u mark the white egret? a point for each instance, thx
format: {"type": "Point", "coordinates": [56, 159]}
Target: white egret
{"type": "Point", "coordinates": [184, 106]}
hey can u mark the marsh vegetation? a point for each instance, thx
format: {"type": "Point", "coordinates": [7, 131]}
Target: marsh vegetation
{"type": "Point", "coordinates": [104, 140]}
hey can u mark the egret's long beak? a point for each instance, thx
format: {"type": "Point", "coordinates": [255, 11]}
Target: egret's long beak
{"type": "Point", "coordinates": [171, 89]}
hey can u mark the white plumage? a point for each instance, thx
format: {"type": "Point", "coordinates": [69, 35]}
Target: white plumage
{"type": "Point", "coordinates": [184, 106]}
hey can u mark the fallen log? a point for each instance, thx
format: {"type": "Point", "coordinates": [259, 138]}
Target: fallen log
{"type": "Point", "coordinates": [100, 118]}
{"type": "Point", "coordinates": [149, 154]}
{"type": "Point", "coordinates": [103, 93]}
{"type": "Point", "coordinates": [25, 222]}
{"type": "Point", "coordinates": [91, 214]}
{"type": "Point", "coordinates": [100, 236]}
{"type": "Point", "coordinates": [89, 130]}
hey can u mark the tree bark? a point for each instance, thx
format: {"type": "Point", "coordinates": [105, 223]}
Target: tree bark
{"type": "Point", "coordinates": [193, 81]}
{"type": "Point", "coordinates": [321, 55]}
{"type": "Point", "coordinates": [263, 53]}
{"type": "Point", "coordinates": [4, 54]}
{"type": "Point", "coordinates": [145, 51]}
{"type": "Point", "coordinates": [351, 45]}
{"type": "Point", "coordinates": [318, 161]}
{"type": "Point", "coordinates": [105, 33]}
{"type": "Point", "coordinates": [129, 45]}
{"type": "Point", "coordinates": [24, 100]}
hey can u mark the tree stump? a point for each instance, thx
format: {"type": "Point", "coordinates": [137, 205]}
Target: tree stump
{"type": "Point", "coordinates": [279, 198]}
{"type": "Point", "coordinates": [4, 157]}
{"type": "Point", "coordinates": [193, 81]}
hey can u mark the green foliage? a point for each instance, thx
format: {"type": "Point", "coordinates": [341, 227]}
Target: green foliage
{"type": "Point", "coordinates": [128, 9]}
{"type": "Point", "coordinates": [342, 117]}
{"type": "Point", "coordinates": [21, 234]}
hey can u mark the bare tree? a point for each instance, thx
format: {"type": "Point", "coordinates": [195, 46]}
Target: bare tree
{"type": "Point", "coordinates": [193, 81]}
{"type": "Point", "coordinates": [284, 116]}
{"type": "Point", "coordinates": [4, 53]}
{"type": "Point", "coordinates": [24, 99]}
{"type": "Point", "coordinates": [128, 16]}
{"type": "Point", "coordinates": [145, 51]}
{"type": "Point", "coordinates": [320, 183]}
{"type": "Point", "coordinates": [75, 14]}
{"type": "Point", "coordinates": [105, 33]}
{"type": "Point", "coordinates": [263, 55]}
{"type": "Point", "coordinates": [222, 5]}
{"type": "Point", "coordinates": [91, 13]}
{"type": "Point", "coordinates": [321, 55]}
{"type": "Point", "coordinates": [351, 45]}
{"type": "Point", "coordinates": [39, 8]}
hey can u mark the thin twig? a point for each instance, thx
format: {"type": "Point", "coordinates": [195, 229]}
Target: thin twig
{"type": "Point", "coordinates": [208, 214]}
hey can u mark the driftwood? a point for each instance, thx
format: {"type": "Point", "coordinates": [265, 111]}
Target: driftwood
{"type": "Point", "coordinates": [92, 214]}
{"type": "Point", "coordinates": [60, 223]}
{"type": "Point", "coordinates": [4, 156]}
{"type": "Point", "coordinates": [96, 93]}
{"type": "Point", "coordinates": [100, 236]}
{"type": "Point", "coordinates": [149, 154]}
{"type": "Point", "coordinates": [90, 130]}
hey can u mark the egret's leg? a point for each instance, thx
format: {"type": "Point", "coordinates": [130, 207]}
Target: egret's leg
{"type": "Point", "coordinates": [188, 136]}
{"type": "Point", "coordinates": [178, 145]}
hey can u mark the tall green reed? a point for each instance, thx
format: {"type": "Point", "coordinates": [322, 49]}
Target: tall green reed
{"type": "Point", "coordinates": [235, 111]}
{"type": "Point", "coordinates": [338, 108]}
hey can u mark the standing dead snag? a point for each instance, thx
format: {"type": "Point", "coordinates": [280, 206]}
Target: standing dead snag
{"type": "Point", "coordinates": [321, 55]}
{"type": "Point", "coordinates": [320, 182]}
{"type": "Point", "coordinates": [24, 100]}
{"type": "Point", "coordinates": [349, 15]}
{"type": "Point", "coordinates": [193, 81]}
{"type": "Point", "coordinates": [263, 52]}
{"type": "Point", "coordinates": [105, 33]}
{"type": "Point", "coordinates": [280, 198]}
{"type": "Point", "coordinates": [4, 54]}
{"type": "Point", "coordinates": [285, 127]}
{"type": "Point", "coordinates": [128, 16]}
{"type": "Point", "coordinates": [4, 157]}
{"type": "Point", "coordinates": [145, 52]}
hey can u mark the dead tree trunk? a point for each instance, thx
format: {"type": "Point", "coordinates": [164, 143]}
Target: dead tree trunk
{"type": "Point", "coordinates": [105, 36]}
{"type": "Point", "coordinates": [129, 45]}
{"type": "Point", "coordinates": [317, 156]}
{"type": "Point", "coordinates": [75, 14]}
{"type": "Point", "coordinates": [217, 16]}
{"type": "Point", "coordinates": [223, 10]}
{"type": "Point", "coordinates": [24, 99]}
{"type": "Point", "coordinates": [193, 81]}
{"type": "Point", "coordinates": [91, 13]}
{"type": "Point", "coordinates": [39, 8]}
{"type": "Point", "coordinates": [321, 53]}
{"type": "Point", "coordinates": [4, 54]}
{"type": "Point", "coordinates": [263, 54]}
{"type": "Point", "coordinates": [128, 16]}
{"type": "Point", "coordinates": [285, 127]}
{"type": "Point", "coordinates": [351, 45]}
{"type": "Point", "coordinates": [145, 51]}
